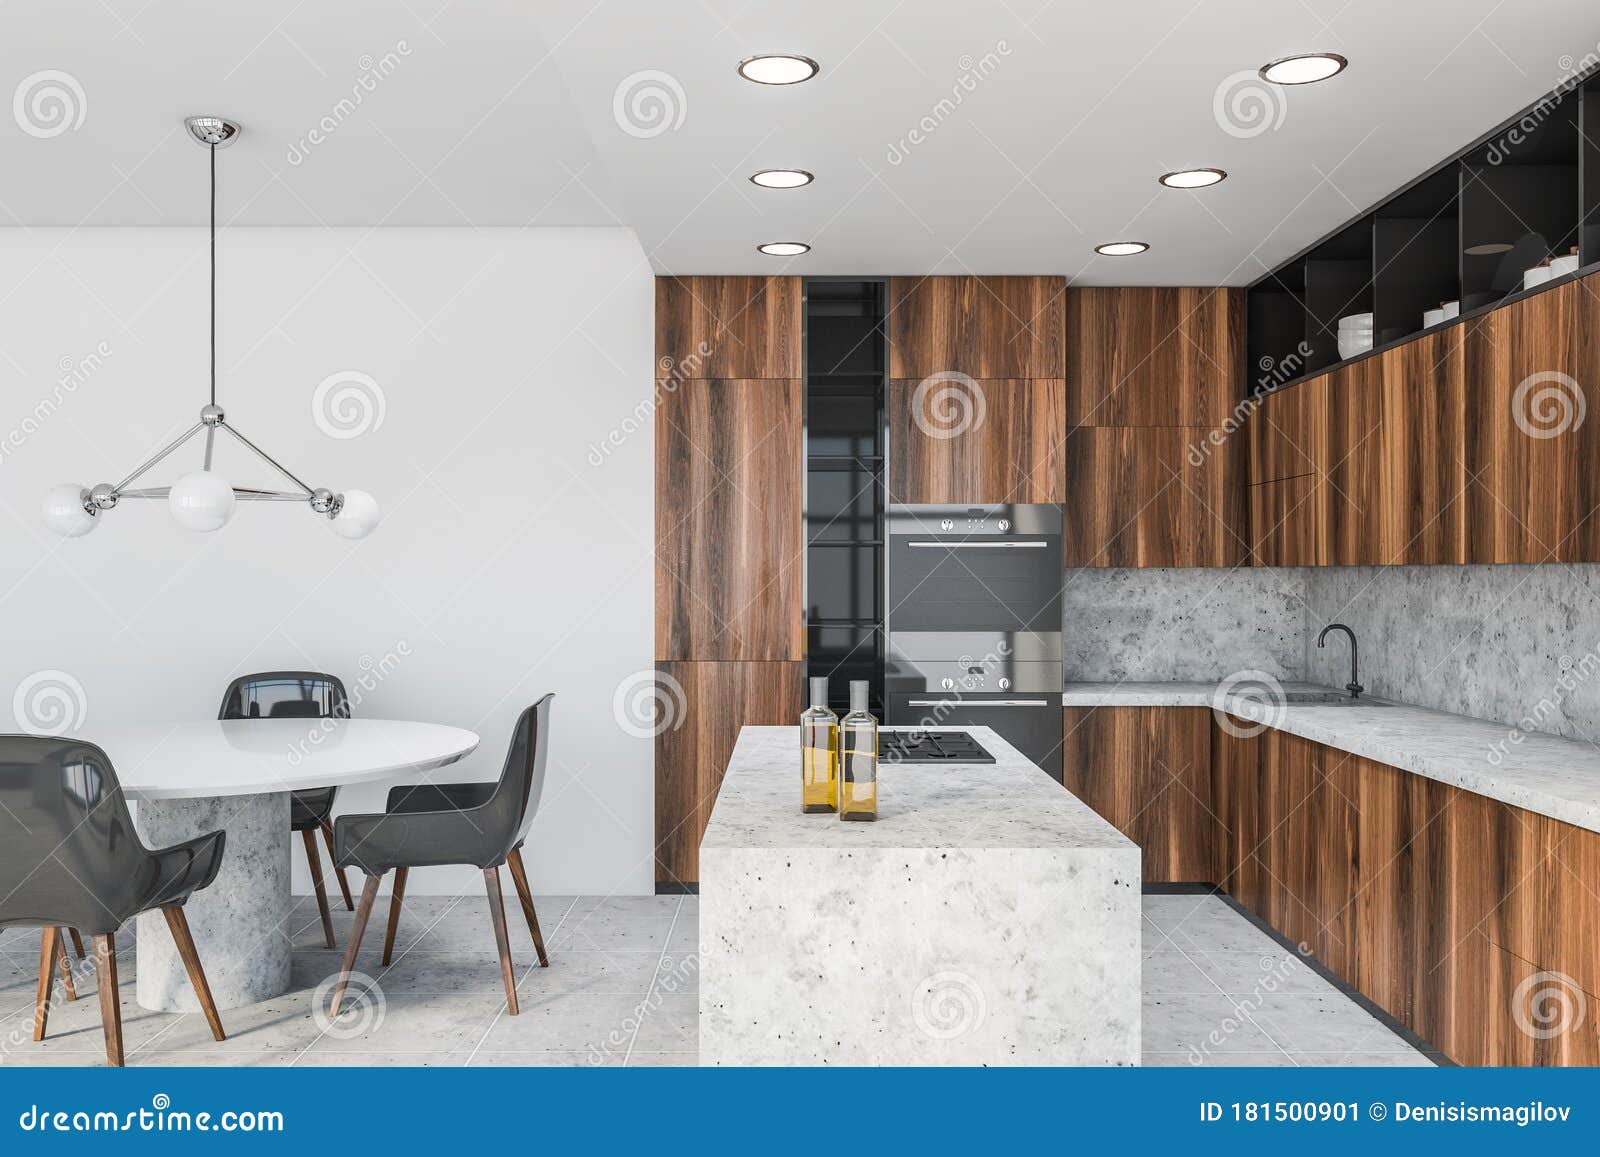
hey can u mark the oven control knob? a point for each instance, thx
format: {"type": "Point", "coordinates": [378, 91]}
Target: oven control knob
{"type": "Point", "coordinates": [1005, 684]}
{"type": "Point", "coordinates": [947, 524]}
{"type": "Point", "coordinates": [947, 684]}
{"type": "Point", "coordinates": [1004, 525]}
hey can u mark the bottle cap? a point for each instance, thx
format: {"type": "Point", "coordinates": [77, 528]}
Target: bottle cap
{"type": "Point", "coordinates": [858, 694]}
{"type": "Point", "coordinates": [819, 691]}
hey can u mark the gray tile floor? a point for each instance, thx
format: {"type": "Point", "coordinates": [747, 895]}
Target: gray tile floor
{"type": "Point", "coordinates": [622, 987]}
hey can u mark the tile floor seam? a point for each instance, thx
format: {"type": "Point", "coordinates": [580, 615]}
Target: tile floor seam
{"type": "Point", "coordinates": [654, 980]}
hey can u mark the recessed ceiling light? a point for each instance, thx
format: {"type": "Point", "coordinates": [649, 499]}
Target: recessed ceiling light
{"type": "Point", "coordinates": [782, 178]}
{"type": "Point", "coordinates": [1192, 178]}
{"type": "Point", "coordinates": [1121, 248]}
{"type": "Point", "coordinates": [1305, 68]}
{"type": "Point", "coordinates": [778, 69]}
{"type": "Point", "coordinates": [784, 248]}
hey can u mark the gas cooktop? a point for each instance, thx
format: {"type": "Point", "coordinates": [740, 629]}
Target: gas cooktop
{"type": "Point", "coordinates": [930, 747]}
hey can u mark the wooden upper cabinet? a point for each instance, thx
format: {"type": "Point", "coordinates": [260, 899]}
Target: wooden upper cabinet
{"type": "Point", "coordinates": [729, 556]}
{"type": "Point", "coordinates": [970, 440]}
{"type": "Point", "coordinates": [1154, 496]}
{"type": "Point", "coordinates": [1286, 432]}
{"type": "Point", "coordinates": [1422, 472]}
{"type": "Point", "coordinates": [728, 327]}
{"type": "Point", "coordinates": [1154, 356]}
{"type": "Point", "coordinates": [984, 327]}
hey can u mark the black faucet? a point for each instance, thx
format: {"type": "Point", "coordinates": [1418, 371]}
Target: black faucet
{"type": "Point", "coordinates": [1354, 686]}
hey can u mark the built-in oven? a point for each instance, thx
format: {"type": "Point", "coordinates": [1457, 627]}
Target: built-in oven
{"type": "Point", "coordinates": [973, 622]}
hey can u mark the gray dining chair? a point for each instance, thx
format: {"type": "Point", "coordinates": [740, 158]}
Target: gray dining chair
{"type": "Point", "coordinates": [70, 858]}
{"type": "Point", "coordinates": [428, 824]}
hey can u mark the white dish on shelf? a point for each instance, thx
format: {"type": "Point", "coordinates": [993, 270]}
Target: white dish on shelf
{"type": "Point", "coordinates": [1432, 317]}
{"type": "Point", "coordinates": [1356, 321]}
{"type": "Point", "coordinates": [1538, 275]}
{"type": "Point", "coordinates": [1451, 309]}
{"type": "Point", "coordinates": [1353, 342]}
{"type": "Point", "coordinates": [1561, 266]}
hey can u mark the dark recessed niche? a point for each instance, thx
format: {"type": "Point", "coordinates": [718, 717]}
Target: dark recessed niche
{"type": "Point", "coordinates": [1464, 232]}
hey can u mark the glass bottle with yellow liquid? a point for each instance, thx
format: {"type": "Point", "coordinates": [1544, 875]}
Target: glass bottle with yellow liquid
{"type": "Point", "coordinates": [858, 758]}
{"type": "Point", "coordinates": [819, 744]}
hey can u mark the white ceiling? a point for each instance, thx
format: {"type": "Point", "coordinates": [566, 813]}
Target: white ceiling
{"type": "Point", "coordinates": [503, 112]}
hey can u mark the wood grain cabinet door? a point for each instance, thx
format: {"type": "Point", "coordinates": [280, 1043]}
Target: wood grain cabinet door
{"type": "Point", "coordinates": [1147, 770]}
{"type": "Point", "coordinates": [960, 439]}
{"type": "Point", "coordinates": [1154, 496]}
{"type": "Point", "coordinates": [1154, 356]}
{"type": "Point", "coordinates": [702, 706]}
{"type": "Point", "coordinates": [730, 560]}
{"type": "Point", "coordinates": [984, 327]}
{"type": "Point", "coordinates": [1422, 472]}
{"type": "Point", "coordinates": [728, 327]}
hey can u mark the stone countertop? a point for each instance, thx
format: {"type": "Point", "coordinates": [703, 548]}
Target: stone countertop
{"type": "Point", "coordinates": [1547, 774]}
{"type": "Point", "coordinates": [1008, 804]}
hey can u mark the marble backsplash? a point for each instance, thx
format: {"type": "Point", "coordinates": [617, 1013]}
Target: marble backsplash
{"type": "Point", "coordinates": [1182, 624]}
{"type": "Point", "coordinates": [1519, 645]}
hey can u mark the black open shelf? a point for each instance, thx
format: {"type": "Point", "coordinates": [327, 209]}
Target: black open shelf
{"type": "Point", "coordinates": [1464, 231]}
{"type": "Point", "coordinates": [846, 367]}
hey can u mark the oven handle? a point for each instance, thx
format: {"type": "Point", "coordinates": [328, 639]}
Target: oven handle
{"type": "Point", "coordinates": [1031, 544]}
{"type": "Point", "coordinates": [977, 702]}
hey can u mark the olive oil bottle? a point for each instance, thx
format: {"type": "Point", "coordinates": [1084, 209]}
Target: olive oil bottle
{"type": "Point", "coordinates": [858, 758]}
{"type": "Point", "coordinates": [819, 742]}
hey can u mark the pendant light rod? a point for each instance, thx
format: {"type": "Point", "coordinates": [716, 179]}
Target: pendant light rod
{"type": "Point", "coordinates": [213, 152]}
{"type": "Point", "coordinates": [144, 467]}
{"type": "Point", "coordinates": [306, 491]}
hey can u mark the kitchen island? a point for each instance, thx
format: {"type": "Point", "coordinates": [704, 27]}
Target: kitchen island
{"type": "Point", "coordinates": [988, 917]}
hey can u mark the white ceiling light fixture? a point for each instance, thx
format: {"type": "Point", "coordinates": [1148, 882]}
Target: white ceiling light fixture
{"type": "Point", "coordinates": [1121, 248]}
{"type": "Point", "coordinates": [1305, 68]}
{"type": "Point", "coordinates": [1193, 178]}
{"type": "Point", "coordinates": [784, 248]}
{"type": "Point", "coordinates": [203, 500]}
{"type": "Point", "coordinates": [781, 178]}
{"type": "Point", "coordinates": [778, 68]}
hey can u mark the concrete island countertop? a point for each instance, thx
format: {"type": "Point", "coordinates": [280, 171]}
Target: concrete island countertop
{"type": "Point", "coordinates": [1546, 774]}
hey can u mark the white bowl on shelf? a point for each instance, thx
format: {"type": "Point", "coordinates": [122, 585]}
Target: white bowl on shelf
{"type": "Point", "coordinates": [1357, 321]}
{"type": "Point", "coordinates": [1432, 317]}
{"type": "Point", "coordinates": [1561, 266]}
{"type": "Point", "coordinates": [1354, 341]}
{"type": "Point", "coordinates": [1538, 275]}
{"type": "Point", "coordinates": [1451, 309]}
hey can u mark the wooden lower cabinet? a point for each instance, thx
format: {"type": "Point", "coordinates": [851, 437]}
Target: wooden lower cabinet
{"type": "Point", "coordinates": [700, 708]}
{"type": "Point", "coordinates": [1473, 923]}
{"type": "Point", "coordinates": [1148, 771]}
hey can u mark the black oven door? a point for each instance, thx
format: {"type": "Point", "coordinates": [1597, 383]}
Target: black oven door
{"type": "Point", "coordinates": [967, 574]}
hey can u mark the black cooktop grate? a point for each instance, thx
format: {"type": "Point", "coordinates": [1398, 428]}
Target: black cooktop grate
{"type": "Point", "coordinates": [930, 747]}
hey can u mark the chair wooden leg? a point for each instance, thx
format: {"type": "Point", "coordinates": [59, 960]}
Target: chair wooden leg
{"type": "Point", "coordinates": [315, 861]}
{"type": "Point", "coordinates": [77, 943]}
{"type": "Point", "coordinates": [105, 966]}
{"type": "Point", "coordinates": [519, 877]}
{"type": "Point", "coordinates": [344, 880]}
{"type": "Point", "coordinates": [497, 915]}
{"type": "Point", "coordinates": [369, 895]}
{"type": "Point", "coordinates": [178, 924]}
{"type": "Point", "coordinates": [47, 972]}
{"type": "Point", "coordinates": [65, 966]}
{"type": "Point", "coordinates": [396, 895]}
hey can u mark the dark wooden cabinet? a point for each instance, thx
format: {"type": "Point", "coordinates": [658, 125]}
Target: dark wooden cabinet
{"type": "Point", "coordinates": [702, 707]}
{"type": "Point", "coordinates": [1422, 472]}
{"type": "Point", "coordinates": [977, 440]}
{"type": "Point", "coordinates": [1154, 496]}
{"type": "Point", "coordinates": [1148, 771]}
{"type": "Point", "coordinates": [1153, 356]}
{"type": "Point", "coordinates": [730, 560]}
{"type": "Point", "coordinates": [984, 327]}
{"type": "Point", "coordinates": [728, 327]}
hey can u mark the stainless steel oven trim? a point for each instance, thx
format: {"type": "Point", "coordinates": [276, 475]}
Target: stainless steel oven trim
{"type": "Point", "coordinates": [972, 545]}
{"type": "Point", "coordinates": [977, 703]}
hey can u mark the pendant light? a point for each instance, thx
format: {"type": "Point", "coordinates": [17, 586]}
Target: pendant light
{"type": "Point", "coordinates": [203, 500]}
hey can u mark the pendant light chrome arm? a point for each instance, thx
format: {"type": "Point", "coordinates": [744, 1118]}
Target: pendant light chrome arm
{"type": "Point", "coordinates": [158, 456]}
{"type": "Point", "coordinates": [307, 492]}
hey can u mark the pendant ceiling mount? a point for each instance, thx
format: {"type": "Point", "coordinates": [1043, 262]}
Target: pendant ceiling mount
{"type": "Point", "coordinates": [203, 500]}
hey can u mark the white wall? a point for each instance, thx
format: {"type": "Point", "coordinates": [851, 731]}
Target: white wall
{"type": "Point", "coordinates": [508, 564]}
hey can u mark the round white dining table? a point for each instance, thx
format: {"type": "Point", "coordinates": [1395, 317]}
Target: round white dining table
{"type": "Point", "coordinates": [187, 779]}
